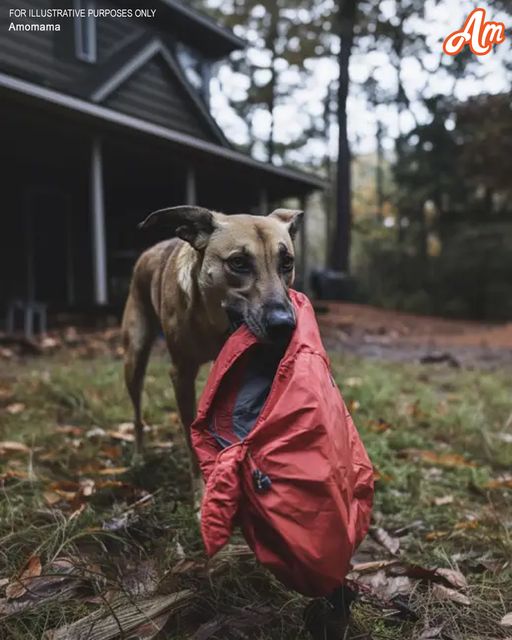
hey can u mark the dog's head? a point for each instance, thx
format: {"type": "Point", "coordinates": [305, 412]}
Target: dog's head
{"type": "Point", "coordinates": [247, 263]}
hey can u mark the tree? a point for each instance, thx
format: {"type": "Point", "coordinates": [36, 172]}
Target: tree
{"type": "Point", "coordinates": [341, 241]}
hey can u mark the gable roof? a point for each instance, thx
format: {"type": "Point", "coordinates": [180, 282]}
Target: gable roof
{"type": "Point", "coordinates": [130, 60]}
{"type": "Point", "coordinates": [190, 25]}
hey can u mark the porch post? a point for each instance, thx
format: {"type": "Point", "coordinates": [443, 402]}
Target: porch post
{"type": "Point", "coordinates": [263, 201]}
{"type": "Point", "coordinates": [190, 187]}
{"type": "Point", "coordinates": [97, 211]}
{"type": "Point", "coordinates": [303, 244]}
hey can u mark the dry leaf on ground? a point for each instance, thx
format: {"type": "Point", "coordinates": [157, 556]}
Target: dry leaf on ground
{"type": "Point", "coordinates": [389, 543]}
{"type": "Point", "coordinates": [18, 586]}
{"type": "Point", "coordinates": [503, 482]}
{"type": "Point", "coordinates": [453, 577]}
{"type": "Point", "coordinates": [506, 621]}
{"type": "Point", "coordinates": [112, 471]}
{"type": "Point", "coordinates": [444, 593]}
{"type": "Point", "coordinates": [385, 586]}
{"type": "Point", "coordinates": [372, 565]}
{"type": "Point", "coordinates": [120, 435]}
{"type": "Point", "coordinates": [431, 633]}
{"type": "Point", "coordinates": [443, 500]}
{"type": "Point", "coordinates": [69, 430]}
{"type": "Point", "coordinates": [15, 408]}
{"type": "Point", "coordinates": [11, 446]}
{"type": "Point", "coordinates": [442, 459]}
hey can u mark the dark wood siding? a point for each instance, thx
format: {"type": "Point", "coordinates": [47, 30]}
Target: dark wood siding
{"type": "Point", "coordinates": [153, 93]}
{"type": "Point", "coordinates": [48, 57]}
{"type": "Point", "coordinates": [113, 34]}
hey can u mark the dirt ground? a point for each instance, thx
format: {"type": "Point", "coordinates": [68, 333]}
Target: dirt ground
{"type": "Point", "coordinates": [402, 337]}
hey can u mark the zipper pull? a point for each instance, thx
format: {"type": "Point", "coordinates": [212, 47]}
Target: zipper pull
{"type": "Point", "coordinates": [261, 481]}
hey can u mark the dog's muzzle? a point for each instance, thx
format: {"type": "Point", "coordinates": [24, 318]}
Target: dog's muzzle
{"type": "Point", "coordinates": [279, 322]}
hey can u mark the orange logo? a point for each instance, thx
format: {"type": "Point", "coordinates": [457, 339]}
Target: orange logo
{"type": "Point", "coordinates": [478, 34]}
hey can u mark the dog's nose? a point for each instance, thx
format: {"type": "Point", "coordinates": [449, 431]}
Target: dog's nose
{"type": "Point", "coordinates": [280, 322]}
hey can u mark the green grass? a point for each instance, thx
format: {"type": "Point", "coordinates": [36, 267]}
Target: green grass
{"type": "Point", "coordinates": [401, 411]}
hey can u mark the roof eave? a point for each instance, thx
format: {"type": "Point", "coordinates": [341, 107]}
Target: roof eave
{"type": "Point", "coordinates": [232, 41]}
{"type": "Point", "coordinates": [304, 181]}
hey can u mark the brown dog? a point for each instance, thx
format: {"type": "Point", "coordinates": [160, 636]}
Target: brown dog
{"type": "Point", "coordinates": [216, 272]}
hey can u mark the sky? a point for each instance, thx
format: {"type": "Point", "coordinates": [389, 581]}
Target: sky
{"type": "Point", "coordinates": [442, 18]}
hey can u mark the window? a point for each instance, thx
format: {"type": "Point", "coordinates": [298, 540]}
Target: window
{"type": "Point", "coordinates": [85, 32]}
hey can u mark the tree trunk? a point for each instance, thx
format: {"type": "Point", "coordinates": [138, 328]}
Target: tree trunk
{"type": "Point", "coordinates": [341, 243]}
{"type": "Point", "coordinates": [379, 177]}
{"type": "Point", "coordinates": [272, 44]}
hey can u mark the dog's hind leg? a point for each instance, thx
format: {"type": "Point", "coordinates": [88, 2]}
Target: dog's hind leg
{"type": "Point", "coordinates": [139, 329]}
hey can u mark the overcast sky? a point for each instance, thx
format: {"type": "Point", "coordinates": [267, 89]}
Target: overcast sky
{"type": "Point", "coordinates": [441, 19]}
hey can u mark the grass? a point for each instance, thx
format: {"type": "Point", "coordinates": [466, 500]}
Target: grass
{"type": "Point", "coordinates": [402, 412]}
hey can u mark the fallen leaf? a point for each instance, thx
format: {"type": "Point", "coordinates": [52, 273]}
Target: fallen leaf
{"type": "Point", "coordinates": [18, 586]}
{"type": "Point", "coordinates": [466, 524]}
{"type": "Point", "coordinates": [10, 446]}
{"type": "Point", "coordinates": [111, 484]}
{"type": "Point", "coordinates": [161, 445]}
{"type": "Point", "coordinates": [125, 427]}
{"type": "Point", "coordinates": [379, 426]}
{"type": "Point", "coordinates": [375, 565]}
{"type": "Point", "coordinates": [442, 459]}
{"type": "Point", "coordinates": [112, 471]}
{"type": "Point", "coordinates": [453, 577]}
{"type": "Point", "coordinates": [432, 536]}
{"type": "Point", "coordinates": [49, 343]}
{"type": "Point", "coordinates": [111, 451]}
{"type": "Point", "coordinates": [444, 593]}
{"type": "Point", "coordinates": [443, 500]}
{"type": "Point", "coordinates": [18, 474]}
{"type": "Point", "coordinates": [87, 487]}
{"type": "Point", "coordinates": [430, 633]}
{"type": "Point", "coordinates": [51, 498]}
{"type": "Point", "coordinates": [3, 582]}
{"type": "Point", "coordinates": [15, 408]}
{"type": "Point", "coordinates": [385, 540]}
{"type": "Point", "coordinates": [386, 586]}
{"type": "Point", "coordinates": [69, 430]}
{"type": "Point", "coordinates": [353, 406]}
{"type": "Point", "coordinates": [415, 571]}
{"type": "Point", "coordinates": [503, 482]}
{"type": "Point", "coordinates": [353, 382]}
{"type": "Point", "coordinates": [120, 435]}
{"type": "Point", "coordinates": [96, 433]}
{"type": "Point", "coordinates": [506, 621]}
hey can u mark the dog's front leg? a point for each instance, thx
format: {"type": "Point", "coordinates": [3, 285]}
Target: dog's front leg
{"type": "Point", "coordinates": [183, 376]}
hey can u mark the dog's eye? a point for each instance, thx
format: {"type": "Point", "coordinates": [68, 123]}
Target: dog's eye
{"type": "Point", "coordinates": [239, 264]}
{"type": "Point", "coordinates": [287, 263]}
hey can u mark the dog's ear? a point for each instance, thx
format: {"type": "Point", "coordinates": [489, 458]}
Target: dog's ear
{"type": "Point", "coordinates": [192, 224]}
{"type": "Point", "coordinates": [291, 218]}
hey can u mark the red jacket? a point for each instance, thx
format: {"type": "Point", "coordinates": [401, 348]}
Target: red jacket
{"type": "Point", "coordinates": [288, 467]}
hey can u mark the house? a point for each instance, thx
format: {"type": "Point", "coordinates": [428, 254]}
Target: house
{"type": "Point", "coordinates": [105, 119]}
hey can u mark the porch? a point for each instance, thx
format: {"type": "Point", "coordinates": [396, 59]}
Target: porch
{"type": "Point", "coordinates": [78, 183]}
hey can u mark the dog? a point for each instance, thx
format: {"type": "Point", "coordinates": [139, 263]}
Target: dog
{"type": "Point", "coordinates": [215, 272]}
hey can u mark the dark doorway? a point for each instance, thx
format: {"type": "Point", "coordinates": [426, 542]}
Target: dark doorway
{"type": "Point", "coordinates": [49, 243]}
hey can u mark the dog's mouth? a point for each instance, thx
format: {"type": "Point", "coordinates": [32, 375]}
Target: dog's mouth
{"type": "Point", "coordinates": [271, 334]}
